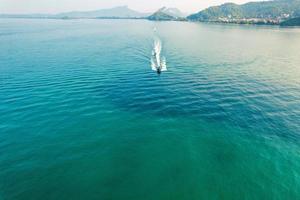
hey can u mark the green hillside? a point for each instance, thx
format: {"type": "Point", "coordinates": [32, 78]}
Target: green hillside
{"type": "Point", "coordinates": [291, 22]}
{"type": "Point", "coordinates": [276, 10]}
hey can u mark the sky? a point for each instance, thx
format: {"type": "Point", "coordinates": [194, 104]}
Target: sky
{"type": "Point", "coordinates": [56, 6]}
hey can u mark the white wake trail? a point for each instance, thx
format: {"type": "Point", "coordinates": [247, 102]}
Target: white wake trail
{"type": "Point", "coordinates": [158, 62]}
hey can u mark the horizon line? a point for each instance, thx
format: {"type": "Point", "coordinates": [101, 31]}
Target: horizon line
{"type": "Point", "coordinates": [107, 8]}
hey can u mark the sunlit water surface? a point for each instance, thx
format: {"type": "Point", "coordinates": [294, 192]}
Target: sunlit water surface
{"type": "Point", "coordinates": [83, 115]}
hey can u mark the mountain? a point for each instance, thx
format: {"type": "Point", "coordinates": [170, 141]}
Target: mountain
{"type": "Point", "coordinates": [291, 22]}
{"type": "Point", "coordinates": [167, 14]}
{"type": "Point", "coordinates": [272, 10]}
{"type": "Point", "coordinates": [175, 12]}
{"type": "Point", "coordinates": [117, 12]}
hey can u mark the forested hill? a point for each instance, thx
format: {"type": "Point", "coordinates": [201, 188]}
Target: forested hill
{"type": "Point", "coordinates": [276, 10]}
{"type": "Point", "coordinates": [291, 22]}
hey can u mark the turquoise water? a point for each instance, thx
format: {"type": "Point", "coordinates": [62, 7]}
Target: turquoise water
{"type": "Point", "coordinates": [83, 116]}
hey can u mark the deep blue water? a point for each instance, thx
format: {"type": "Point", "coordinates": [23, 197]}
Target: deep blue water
{"type": "Point", "coordinates": [83, 116]}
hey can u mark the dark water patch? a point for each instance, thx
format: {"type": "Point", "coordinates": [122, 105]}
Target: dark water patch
{"type": "Point", "coordinates": [218, 99]}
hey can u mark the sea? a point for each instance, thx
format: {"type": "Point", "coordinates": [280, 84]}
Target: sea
{"type": "Point", "coordinates": [84, 113]}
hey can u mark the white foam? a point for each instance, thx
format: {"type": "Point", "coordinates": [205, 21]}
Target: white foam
{"type": "Point", "coordinates": [158, 61]}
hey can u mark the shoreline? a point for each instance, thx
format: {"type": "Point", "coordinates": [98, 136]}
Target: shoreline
{"type": "Point", "coordinates": [191, 21]}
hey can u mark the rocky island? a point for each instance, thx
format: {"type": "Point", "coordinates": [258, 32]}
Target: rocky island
{"type": "Point", "coordinates": [167, 14]}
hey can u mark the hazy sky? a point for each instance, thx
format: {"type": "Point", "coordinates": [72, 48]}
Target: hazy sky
{"type": "Point", "coordinates": [55, 6]}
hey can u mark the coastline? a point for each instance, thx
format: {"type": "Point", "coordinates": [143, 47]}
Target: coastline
{"type": "Point", "coordinates": [279, 24]}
